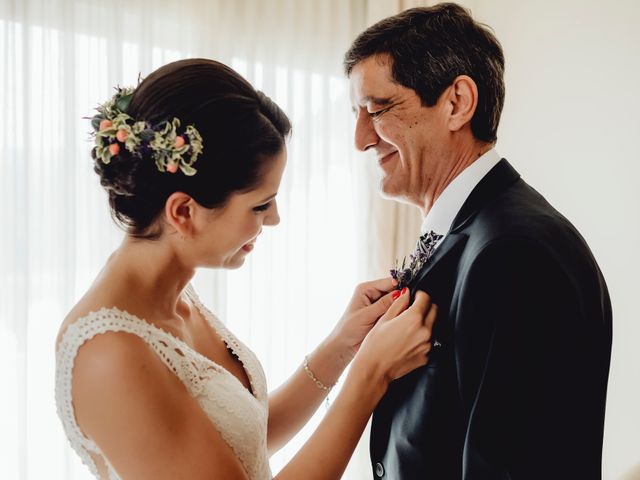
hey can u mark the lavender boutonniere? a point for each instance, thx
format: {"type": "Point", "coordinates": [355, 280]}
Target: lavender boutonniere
{"type": "Point", "coordinates": [424, 249]}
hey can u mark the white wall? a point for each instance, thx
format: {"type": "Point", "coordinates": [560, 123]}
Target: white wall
{"type": "Point", "coordinates": [570, 125]}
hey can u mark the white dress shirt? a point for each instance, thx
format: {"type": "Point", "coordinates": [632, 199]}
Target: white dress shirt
{"type": "Point", "coordinates": [446, 207]}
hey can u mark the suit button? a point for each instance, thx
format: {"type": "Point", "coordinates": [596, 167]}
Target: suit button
{"type": "Point", "coordinates": [379, 470]}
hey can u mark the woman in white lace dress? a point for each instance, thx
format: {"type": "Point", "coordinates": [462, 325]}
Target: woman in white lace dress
{"type": "Point", "coordinates": [149, 383]}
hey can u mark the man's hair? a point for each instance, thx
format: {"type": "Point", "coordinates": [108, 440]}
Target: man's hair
{"type": "Point", "coordinates": [429, 47]}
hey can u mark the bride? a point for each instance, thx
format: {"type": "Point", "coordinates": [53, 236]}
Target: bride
{"type": "Point", "coordinates": [149, 383]}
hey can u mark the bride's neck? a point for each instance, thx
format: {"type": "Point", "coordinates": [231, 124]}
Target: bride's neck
{"type": "Point", "coordinates": [152, 269]}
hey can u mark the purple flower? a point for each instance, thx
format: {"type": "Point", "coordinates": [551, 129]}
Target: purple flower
{"type": "Point", "coordinates": [424, 249]}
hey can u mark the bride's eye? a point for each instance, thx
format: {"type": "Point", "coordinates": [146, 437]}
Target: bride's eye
{"type": "Point", "coordinates": [262, 208]}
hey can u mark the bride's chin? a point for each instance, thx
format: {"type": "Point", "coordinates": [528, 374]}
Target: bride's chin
{"type": "Point", "coordinates": [229, 263]}
{"type": "Point", "coordinates": [234, 262]}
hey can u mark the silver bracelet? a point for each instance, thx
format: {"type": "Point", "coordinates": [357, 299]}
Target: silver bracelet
{"type": "Point", "coordinates": [312, 376]}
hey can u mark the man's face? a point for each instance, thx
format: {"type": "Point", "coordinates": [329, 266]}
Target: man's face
{"type": "Point", "coordinates": [410, 140]}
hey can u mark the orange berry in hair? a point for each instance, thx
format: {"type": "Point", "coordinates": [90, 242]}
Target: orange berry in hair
{"type": "Point", "coordinates": [172, 168]}
{"type": "Point", "coordinates": [179, 141]}
{"type": "Point", "coordinates": [114, 149]}
{"type": "Point", "coordinates": [104, 124]}
{"type": "Point", "coordinates": [122, 135]}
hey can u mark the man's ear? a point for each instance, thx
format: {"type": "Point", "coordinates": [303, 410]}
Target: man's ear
{"type": "Point", "coordinates": [179, 212]}
{"type": "Point", "coordinates": [463, 100]}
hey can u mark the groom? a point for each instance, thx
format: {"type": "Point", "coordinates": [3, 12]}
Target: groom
{"type": "Point", "coordinates": [516, 383]}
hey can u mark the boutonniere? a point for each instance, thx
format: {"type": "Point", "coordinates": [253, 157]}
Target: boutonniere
{"type": "Point", "coordinates": [424, 249]}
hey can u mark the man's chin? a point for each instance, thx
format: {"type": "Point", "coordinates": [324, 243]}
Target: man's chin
{"type": "Point", "coordinates": [387, 189]}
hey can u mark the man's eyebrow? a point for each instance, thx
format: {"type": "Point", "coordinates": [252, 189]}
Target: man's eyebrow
{"type": "Point", "coordinates": [377, 100]}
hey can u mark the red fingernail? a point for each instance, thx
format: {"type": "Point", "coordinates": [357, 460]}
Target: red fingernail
{"type": "Point", "coordinates": [396, 294]}
{"type": "Point", "coordinates": [404, 290]}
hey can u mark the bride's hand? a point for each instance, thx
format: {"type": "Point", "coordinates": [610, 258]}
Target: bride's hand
{"type": "Point", "coordinates": [369, 302]}
{"type": "Point", "coordinates": [399, 342]}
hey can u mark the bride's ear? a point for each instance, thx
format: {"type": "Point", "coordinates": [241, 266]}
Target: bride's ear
{"type": "Point", "coordinates": [179, 210]}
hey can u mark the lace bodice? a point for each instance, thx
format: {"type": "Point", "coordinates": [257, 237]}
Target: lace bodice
{"type": "Point", "coordinates": [239, 416]}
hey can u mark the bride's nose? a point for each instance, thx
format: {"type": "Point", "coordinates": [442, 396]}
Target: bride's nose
{"type": "Point", "coordinates": [273, 218]}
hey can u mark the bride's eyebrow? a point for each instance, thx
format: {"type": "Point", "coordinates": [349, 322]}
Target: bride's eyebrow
{"type": "Point", "coordinates": [270, 197]}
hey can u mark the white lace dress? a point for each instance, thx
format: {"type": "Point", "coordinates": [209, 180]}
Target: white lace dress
{"type": "Point", "coordinates": [239, 416]}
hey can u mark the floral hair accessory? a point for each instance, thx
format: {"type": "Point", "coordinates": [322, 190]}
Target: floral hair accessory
{"type": "Point", "coordinates": [424, 249]}
{"type": "Point", "coordinates": [171, 147]}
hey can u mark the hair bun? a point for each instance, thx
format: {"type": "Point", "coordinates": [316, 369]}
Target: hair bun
{"type": "Point", "coordinates": [117, 176]}
{"type": "Point", "coordinates": [271, 110]}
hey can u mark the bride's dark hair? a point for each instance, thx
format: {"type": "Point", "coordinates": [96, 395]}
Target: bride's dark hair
{"type": "Point", "coordinates": [242, 130]}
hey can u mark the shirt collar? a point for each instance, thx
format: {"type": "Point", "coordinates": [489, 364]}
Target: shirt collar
{"type": "Point", "coordinates": [446, 207]}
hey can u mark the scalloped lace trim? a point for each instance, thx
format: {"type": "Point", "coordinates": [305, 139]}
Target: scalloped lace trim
{"type": "Point", "coordinates": [239, 415]}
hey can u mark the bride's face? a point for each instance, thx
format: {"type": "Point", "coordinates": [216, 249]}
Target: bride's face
{"type": "Point", "coordinates": [233, 231]}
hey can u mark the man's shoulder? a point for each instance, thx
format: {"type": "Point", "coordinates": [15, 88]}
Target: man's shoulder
{"type": "Point", "coordinates": [520, 219]}
{"type": "Point", "coordinates": [519, 212]}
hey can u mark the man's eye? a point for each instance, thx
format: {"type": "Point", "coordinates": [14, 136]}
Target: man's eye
{"type": "Point", "coordinates": [377, 113]}
{"type": "Point", "coordinates": [262, 208]}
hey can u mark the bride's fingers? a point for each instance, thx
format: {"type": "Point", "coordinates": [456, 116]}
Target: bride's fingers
{"type": "Point", "coordinates": [375, 289]}
{"type": "Point", "coordinates": [421, 303]}
{"type": "Point", "coordinates": [398, 306]}
{"type": "Point", "coordinates": [377, 309]}
{"type": "Point", "coordinates": [430, 319]}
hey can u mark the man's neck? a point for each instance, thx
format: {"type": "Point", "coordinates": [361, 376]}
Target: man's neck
{"type": "Point", "coordinates": [460, 162]}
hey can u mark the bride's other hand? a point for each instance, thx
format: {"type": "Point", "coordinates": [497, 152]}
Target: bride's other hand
{"type": "Point", "coordinates": [369, 302]}
{"type": "Point", "coordinates": [400, 341]}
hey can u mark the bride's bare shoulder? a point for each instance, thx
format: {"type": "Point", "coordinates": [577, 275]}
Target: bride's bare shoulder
{"type": "Point", "coordinates": [110, 355]}
{"type": "Point", "coordinates": [100, 296]}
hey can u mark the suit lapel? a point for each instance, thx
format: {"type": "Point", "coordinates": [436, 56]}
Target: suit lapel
{"type": "Point", "coordinates": [441, 265]}
{"type": "Point", "coordinates": [451, 245]}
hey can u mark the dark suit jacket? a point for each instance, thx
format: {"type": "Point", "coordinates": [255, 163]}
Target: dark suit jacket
{"type": "Point", "coordinates": [517, 390]}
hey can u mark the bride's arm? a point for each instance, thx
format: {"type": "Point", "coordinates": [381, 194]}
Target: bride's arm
{"type": "Point", "coordinates": [328, 450]}
{"type": "Point", "coordinates": [296, 400]}
{"type": "Point", "coordinates": [395, 347]}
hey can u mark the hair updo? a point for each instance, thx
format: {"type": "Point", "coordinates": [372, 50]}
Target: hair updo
{"type": "Point", "coordinates": [242, 130]}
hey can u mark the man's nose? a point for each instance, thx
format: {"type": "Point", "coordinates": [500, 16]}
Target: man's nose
{"type": "Point", "coordinates": [365, 135]}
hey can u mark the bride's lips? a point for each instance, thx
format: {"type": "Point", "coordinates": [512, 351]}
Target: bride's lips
{"type": "Point", "coordinates": [249, 246]}
{"type": "Point", "coordinates": [385, 158]}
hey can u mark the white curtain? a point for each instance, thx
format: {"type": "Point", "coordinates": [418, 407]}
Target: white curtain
{"type": "Point", "coordinates": [58, 60]}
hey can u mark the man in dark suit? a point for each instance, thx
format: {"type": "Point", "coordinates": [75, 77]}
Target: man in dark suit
{"type": "Point", "coordinates": [516, 383]}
